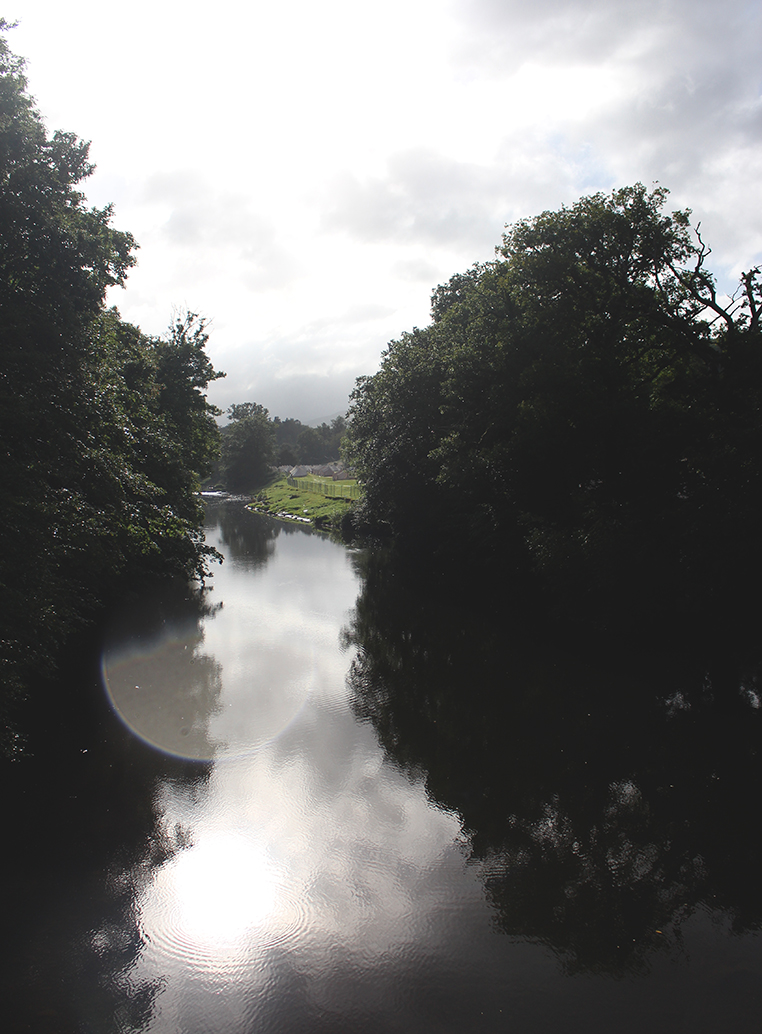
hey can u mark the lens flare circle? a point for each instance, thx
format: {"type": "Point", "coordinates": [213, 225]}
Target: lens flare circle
{"type": "Point", "coordinates": [166, 694]}
{"type": "Point", "coordinates": [177, 699]}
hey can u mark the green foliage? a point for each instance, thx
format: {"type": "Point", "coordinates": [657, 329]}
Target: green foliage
{"type": "Point", "coordinates": [57, 257]}
{"type": "Point", "coordinates": [248, 447]}
{"type": "Point", "coordinates": [297, 443]}
{"type": "Point", "coordinates": [252, 442]}
{"type": "Point", "coordinates": [183, 372]}
{"type": "Point", "coordinates": [573, 410]}
{"type": "Point", "coordinates": [104, 431]}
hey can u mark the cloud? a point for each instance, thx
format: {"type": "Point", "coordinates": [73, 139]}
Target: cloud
{"type": "Point", "coordinates": [203, 221]}
{"type": "Point", "coordinates": [666, 91]}
{"type": "Point", "coordinates": [425, 197]}
{"type": "Point", "coordinates": [285, 167]}
{"type": "Point", "coordinates": [309, 372]}
{"type": "Point", "coordinates": [418, 269]}
{"type": "Point", "coordinates": [431, 201]}
{"type": "Point", "coordinates": [501, 35]}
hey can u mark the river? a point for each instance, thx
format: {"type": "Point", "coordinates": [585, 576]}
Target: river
{"type": "Point", "coordinates": [329, 802]}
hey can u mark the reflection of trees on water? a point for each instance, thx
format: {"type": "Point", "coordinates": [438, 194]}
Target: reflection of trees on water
{"type": "Point", "coordinates": [604, 795]}
{"type": "Point", "coordinates": [80, 812]}
{"type": "Point", "coordinates": [249, 538]}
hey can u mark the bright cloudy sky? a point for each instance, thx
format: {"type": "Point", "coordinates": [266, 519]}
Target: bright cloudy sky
{"type": "Point", "coordinates": [304, 174]}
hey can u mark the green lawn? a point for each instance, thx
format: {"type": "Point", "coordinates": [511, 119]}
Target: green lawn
{"type": "Point", "coordinates": [281, 500]}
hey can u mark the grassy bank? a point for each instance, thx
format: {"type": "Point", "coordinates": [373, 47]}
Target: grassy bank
{"type": "Point", "coordinates": [285, 502]}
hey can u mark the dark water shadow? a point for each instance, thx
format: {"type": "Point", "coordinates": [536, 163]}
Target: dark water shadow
{"type": "Point", "coordinates": [83, 834]}
{"type": "Point", "coordinates": [605, 797]}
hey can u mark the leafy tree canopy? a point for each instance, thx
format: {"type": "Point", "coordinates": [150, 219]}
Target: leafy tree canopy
{"type": "Point", "coordinates": [585, 408]}
{"type": "Point", "coordinates": [104, 431]}
{"type": "Point", "coordinates": [248, 446]}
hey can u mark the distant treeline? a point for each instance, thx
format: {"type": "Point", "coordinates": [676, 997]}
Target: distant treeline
{"type": "Point", "coordinates": [104, 431]}
{"type": "Point", "coordinates": [297, 443]}
{"type": "Point", "coordinates": [252, 443]}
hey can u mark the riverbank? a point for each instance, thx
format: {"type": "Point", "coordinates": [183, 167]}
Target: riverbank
{"type": "Point", "coordinates": [283, 501]}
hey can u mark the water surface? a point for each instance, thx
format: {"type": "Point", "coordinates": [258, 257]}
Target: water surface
{"type": "Point", "coordinates": [328, 802]}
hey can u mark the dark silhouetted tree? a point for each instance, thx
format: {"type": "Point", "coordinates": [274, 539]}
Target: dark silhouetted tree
{"type": "Point", "coordinates": [103, 431]}
{"type": "Point", "coordinates": [586, 406]}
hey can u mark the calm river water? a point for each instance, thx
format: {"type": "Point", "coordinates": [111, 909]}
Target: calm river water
{"type": "Point", "coordinates": [331, 803]}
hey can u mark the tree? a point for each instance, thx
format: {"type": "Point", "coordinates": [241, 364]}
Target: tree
{"type": "Point", "coordinates": [395, 427]}
{"type": "Point", "coordinates": [57, 257]}
{"type": "Point", "coordinates": [312, 446]}
{"type": "Point", "coordinates": [248, 446]}
{"type": "Point", "coordinates": [584, 406]}
{"type": "Point", "coordinates": [103, 431]}
{"type": "Point", "coordinates": [297, 443]}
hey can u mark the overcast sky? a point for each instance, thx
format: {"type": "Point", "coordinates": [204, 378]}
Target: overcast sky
{"type": "Point", "coordinates": [304, 174]}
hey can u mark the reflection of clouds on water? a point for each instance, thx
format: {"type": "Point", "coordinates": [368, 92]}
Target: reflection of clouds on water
{"type": "Point", "coordinates": [262, 700]}
{"type": "Point", "coordinates": [273, 645]}
{"type": "Point", "coordinates": [339, 858]}
{"type": "Point", "coordinates": [276, 636]}
{"type": "Point", "coordinates": [204, 903]}
{"type": "Point", "coordinates": [346, 828]}
{"type": "Point", "coordinates": [349, 867]}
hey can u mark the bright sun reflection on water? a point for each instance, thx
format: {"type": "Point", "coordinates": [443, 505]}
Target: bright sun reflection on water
{"type": "Point", "coordinates": [210, 896]}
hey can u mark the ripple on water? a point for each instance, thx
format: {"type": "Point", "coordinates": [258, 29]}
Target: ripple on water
{"type": "Point", "coordinates": [221, 906]}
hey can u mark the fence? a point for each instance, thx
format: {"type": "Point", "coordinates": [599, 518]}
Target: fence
{"type": "Point", "coordinates": [334, 489]}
